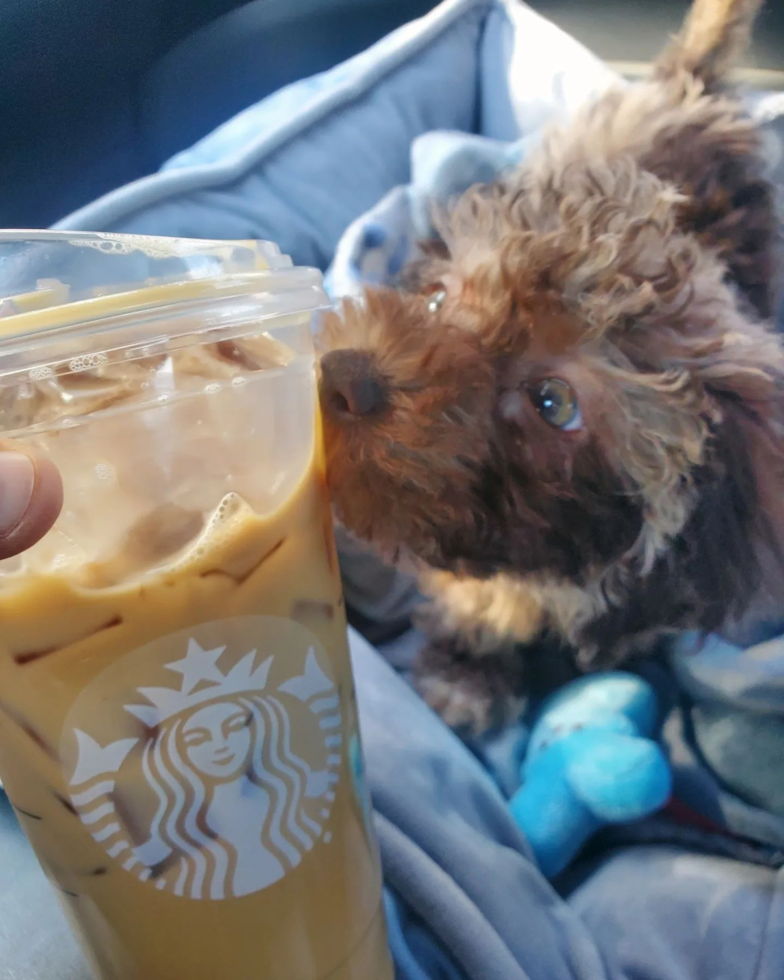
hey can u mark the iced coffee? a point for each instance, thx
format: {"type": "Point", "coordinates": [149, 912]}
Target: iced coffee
{"type": "Point", "coordinates": [178, 730]}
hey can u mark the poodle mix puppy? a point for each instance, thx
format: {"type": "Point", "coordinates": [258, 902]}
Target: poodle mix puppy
{"type": "Point", "coordinates": [572, 422]}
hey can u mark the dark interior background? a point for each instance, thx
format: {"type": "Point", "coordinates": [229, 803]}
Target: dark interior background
{"type": "Point", "coordinates": [95, 93]}
{"type": "Point", "coordinates": [634, 30]}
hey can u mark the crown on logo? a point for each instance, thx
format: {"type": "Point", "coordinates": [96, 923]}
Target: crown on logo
{"type": "Point", "coordinates": [199, 667]}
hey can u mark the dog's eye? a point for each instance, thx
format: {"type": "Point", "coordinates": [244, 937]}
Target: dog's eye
{"type": "Point", "coordinates": [435, 296]}
{"type": "Point", "coordinates": [556, 402]}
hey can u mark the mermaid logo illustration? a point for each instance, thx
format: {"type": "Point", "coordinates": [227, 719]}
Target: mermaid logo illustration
{"type": "Point", "coordinates": [231, 784]}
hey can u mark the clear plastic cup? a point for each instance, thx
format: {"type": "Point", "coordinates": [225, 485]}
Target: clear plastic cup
{"type": "Point", "coordinates": [178, 730]}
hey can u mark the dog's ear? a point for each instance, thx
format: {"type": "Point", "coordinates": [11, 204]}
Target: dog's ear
{"type": "Point", "coordinates": [730, 547]}
{"type": "Point", "coordinates": [715, 569]}
{"type": "Point", "coordinates": [738, 524]}
{"type": "Point", "coordinates": [729, 553]}
{"type": "Point", "coordinates": [744, 374]}
{"type": "Point", "coordinates": [720, 545]}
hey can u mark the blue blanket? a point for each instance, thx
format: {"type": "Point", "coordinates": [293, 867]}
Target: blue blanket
{"type": "Point", "coordinates": [667, 899]}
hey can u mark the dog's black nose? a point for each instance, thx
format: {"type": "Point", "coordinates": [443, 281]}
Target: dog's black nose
{"type": "Point", "coordinates": [350, 384]}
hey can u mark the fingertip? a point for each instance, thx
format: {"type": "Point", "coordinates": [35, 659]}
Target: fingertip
{"type": "Point", "coordinates": [37, 498]}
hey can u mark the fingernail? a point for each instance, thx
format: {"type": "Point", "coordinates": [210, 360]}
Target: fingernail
{"type": "Point", "coordinates": [17, 479]}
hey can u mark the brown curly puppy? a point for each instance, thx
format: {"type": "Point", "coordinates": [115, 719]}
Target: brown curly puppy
{"type": "Point", "coordinates": [574, 423]}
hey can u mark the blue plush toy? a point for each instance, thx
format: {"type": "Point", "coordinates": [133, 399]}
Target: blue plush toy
{"type": "Point", "coordinates": [591, 761]}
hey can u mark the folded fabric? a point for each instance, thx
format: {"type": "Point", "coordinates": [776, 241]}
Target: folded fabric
{"type": "Point", "coordinates": [728, 740]}
{"type": "Point", "coordinates": [375, 248]}
{"type": "Point", "coordinates": [453, 857]}
{"type": "Point", "coordinates": [465, 898]}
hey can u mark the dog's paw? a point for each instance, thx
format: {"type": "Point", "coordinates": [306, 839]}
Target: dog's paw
{"type": "Point", "coordinates": [460, 705]}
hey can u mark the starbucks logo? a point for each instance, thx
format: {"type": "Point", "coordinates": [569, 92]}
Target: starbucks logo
{"type": "Point", "coordinates": [206, 764]}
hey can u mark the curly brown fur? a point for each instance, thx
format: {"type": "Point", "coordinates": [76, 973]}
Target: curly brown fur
{"type": "Point", "coordinates": [632, 259]}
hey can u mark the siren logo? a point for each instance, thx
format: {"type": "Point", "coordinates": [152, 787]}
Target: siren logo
{"type": "Point", "coordinates": [218, 779]}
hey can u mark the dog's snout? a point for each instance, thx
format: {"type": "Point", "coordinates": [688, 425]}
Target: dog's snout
{"type": "Point", "coordinates": [350, 384]}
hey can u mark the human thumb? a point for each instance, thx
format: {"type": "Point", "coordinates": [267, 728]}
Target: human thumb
{"type": "Point", "coordinates": [31, 495]}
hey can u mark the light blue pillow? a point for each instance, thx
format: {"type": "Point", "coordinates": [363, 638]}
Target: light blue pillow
{"type": "Point", "coordinates": [301, 165]}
